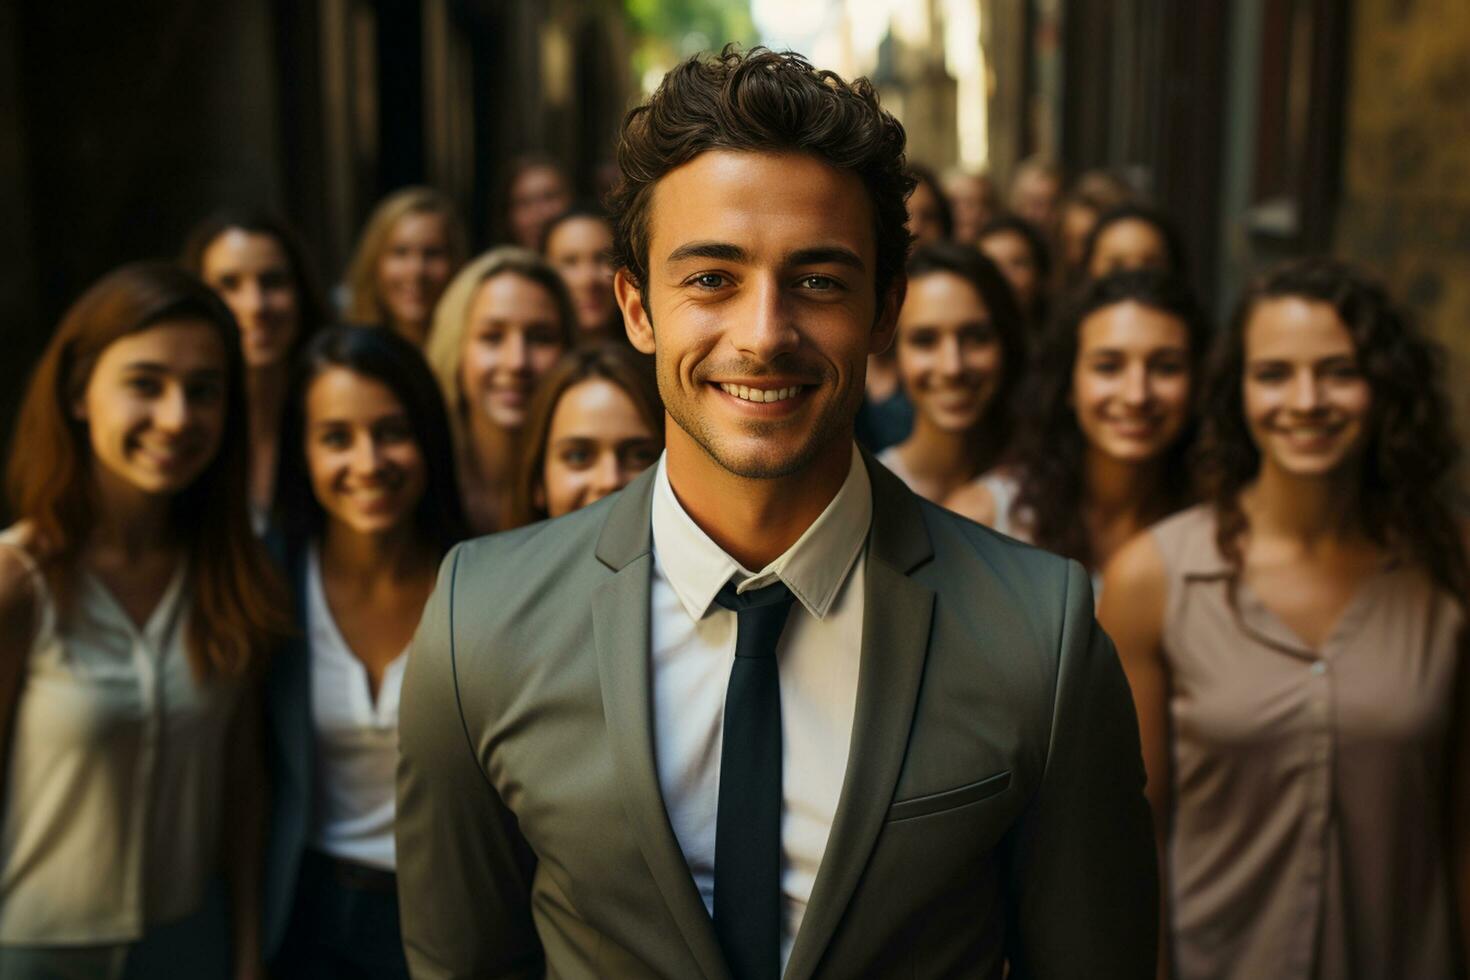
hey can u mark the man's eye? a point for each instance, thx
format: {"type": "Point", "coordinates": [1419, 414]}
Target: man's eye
{"type": "Point", "coordinates": [708, 280]}
{"type": "Point", "coordinates": [819, 283]}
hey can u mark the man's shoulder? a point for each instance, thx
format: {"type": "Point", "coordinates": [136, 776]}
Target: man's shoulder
{"type": "Point", "coordinates": [545, 544]}
{"type": "Point", "coordinates": [550, 564]}
{"type": "Point", "coordinates": [972, 559]}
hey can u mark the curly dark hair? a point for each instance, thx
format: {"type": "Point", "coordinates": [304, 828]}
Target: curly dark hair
{"type": "Point", "coordinates": [1051, 447]}
{"type": "Point", "coordinates": [1411, 449]}
{"type": "Point", "coordinates": [765, 101]}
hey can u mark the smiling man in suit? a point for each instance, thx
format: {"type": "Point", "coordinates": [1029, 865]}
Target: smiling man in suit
{"type": "Point", "coordinates": [765, 711]}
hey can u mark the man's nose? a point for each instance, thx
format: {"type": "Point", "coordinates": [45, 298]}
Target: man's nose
{"type": "Point", "coordinates": [764, 328]}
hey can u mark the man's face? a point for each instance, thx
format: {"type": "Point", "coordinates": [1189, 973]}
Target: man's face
{"type": "Point", "coordinates": [761, 308]}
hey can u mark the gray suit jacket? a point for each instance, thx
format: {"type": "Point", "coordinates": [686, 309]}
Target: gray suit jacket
{"type": "Point", "coordinates": [992, 809]}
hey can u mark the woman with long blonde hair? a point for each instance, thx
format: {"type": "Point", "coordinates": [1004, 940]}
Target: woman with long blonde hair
{"type": "Point", "coordinates": [411, 246]}
{"type": "Point", "coordinates": [503, 322]}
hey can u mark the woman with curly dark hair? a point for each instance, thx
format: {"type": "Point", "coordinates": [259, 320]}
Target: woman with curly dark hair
{"type": "Point", "coordinates": [1293, 645]}
{"type": "Point", "coordinates": [1101, 454]}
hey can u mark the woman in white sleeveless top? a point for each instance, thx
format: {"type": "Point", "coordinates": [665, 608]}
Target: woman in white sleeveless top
{"type": "Point", "coordinates": [1106, 424]}
{"type": "Point", "coordinates": [960, 354]}
{"type": "Point", "coordinates": [369, 506]}
{"type": "Point", "coordinates": [135, 608]}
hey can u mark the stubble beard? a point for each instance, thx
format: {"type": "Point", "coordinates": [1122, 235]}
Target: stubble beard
{"type": "Point", "coordinates": [834, 422]}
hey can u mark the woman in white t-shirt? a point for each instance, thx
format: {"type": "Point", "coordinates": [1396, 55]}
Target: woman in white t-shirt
{"type": "Point", "coordinates": [369, 506]}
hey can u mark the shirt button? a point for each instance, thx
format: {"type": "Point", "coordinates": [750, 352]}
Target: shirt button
{"type": "Point", "coordinates": [1319, 668]}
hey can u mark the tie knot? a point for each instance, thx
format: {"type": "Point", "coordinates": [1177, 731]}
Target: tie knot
{"type": "Point", "coordinates": [760, 616]}
{"type": "Point", "coordinates": [768, 595]}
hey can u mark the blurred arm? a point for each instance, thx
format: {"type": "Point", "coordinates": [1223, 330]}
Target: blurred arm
{"type": "Point", "coordinates": [464, 871]}
{"type": "Point", "coordinates": [1135, 591]}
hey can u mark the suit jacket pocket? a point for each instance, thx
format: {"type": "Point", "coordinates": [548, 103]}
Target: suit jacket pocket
{"type": "Point", "coordinates": [950, 799]}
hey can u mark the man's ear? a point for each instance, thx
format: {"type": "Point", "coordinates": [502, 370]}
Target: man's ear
{"type": "Point", "coordinates": [636, 319]}
{"type": "Point", "coordinates": [887, 321]}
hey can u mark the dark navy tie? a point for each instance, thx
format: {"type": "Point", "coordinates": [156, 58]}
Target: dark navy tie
{"type": "Point", "coordinates": [748, 823]}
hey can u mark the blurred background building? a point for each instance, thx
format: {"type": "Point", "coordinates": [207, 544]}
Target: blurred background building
{"type": "Point", "coordinates": [1267, 128]}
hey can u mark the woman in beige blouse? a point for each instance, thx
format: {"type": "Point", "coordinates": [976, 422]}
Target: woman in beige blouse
{"type": "Point", "coordinates": [135, 607]}
{"type": "Point", "coordinates": [1294, 648]}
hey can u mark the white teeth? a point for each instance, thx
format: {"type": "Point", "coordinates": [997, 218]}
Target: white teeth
{"type": "Point", "coordinates": [749, 394]}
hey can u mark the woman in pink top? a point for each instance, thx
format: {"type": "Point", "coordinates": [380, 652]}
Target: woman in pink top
{"type": "Point", "coordinates": [1294, 649]}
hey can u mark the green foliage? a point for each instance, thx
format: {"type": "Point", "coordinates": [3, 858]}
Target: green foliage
{"type": "Point", "coordinates": [667, 31]}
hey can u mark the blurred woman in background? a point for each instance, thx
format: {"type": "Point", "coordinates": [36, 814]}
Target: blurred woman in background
{"type": "Point", "coordinates": [256, 264]}
{"type": "Point", "coordinates": [1133, 236]}
{"type": "Point", "coordinates": [1111, 394]}
{"type": "Point", "coordinates": [502, 324]}
{"type": "Point", "coordinates": [1295, 646]}
{"type": "Point", "coordinates": [930, 219]}
{"type": "Point", "coordinates": [369, 506]}
{"type": "Point", "coordinates": [534, 190]}
{"type": "Point", "coordinates": [972, 202]}
{"type": "Point", "coordinates": [595, 423]}
{"type": "Point", "coordinates": [410, 248]}
{"type": "Point", "coordinates": [1023, 258]}
{"type": "Point", "coordinates": [136, 609]}
{"type": "Point", "coordinates": [578, 244]}
{"type": "Point", "coordinates": [1091, 195]}
{"type": "Point", "coordinates": [960, 354]}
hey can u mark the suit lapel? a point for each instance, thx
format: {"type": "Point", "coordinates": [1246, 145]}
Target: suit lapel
{"type": "Point", "coordinates": [620, 617]}
{"type": "Point", "coordinates": [897, 613]}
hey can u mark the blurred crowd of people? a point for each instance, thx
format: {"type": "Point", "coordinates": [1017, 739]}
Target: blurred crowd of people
{"type": "Point", "coordinates": [219, 460]}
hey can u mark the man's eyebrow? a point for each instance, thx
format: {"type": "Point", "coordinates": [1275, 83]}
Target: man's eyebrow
{"type": "Point", "coordinates": [826, 255]}
{"type": "Point", "coordinates": [722, 251]}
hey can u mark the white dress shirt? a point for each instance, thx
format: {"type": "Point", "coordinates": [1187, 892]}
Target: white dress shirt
{"type": "Point", "coordinates": [693, 641]}
{"type": "Point", "coordinates": [356, 739]}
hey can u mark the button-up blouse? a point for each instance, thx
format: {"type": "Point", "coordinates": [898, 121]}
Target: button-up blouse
{"type": "Point", "coordinates": [112, 805]}
{"type": "Point", "coordinates": [1310, 786]}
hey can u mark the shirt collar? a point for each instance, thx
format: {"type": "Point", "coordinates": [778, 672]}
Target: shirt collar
{"type": "Point", "coordinates": [813, 568]}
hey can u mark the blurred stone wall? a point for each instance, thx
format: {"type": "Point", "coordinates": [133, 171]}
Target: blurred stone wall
{"type": "Point", "coordinates": [1405, 208]}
